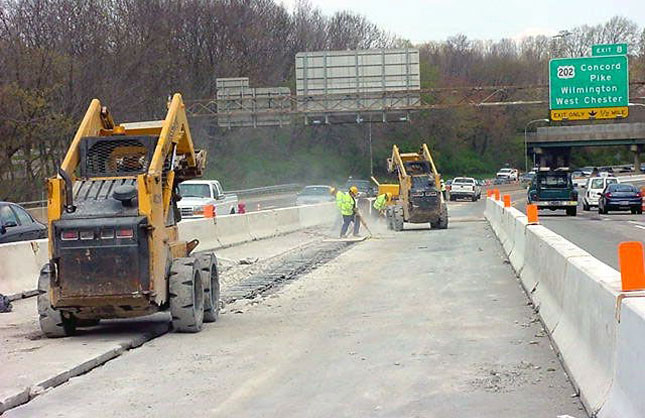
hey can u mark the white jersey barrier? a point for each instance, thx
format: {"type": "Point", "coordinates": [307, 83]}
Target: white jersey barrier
{"type": "Point", "coordinates": [626, 397]}
{"type": "Point", "coordinates": [599, 335]}
{"type": "Point", "coordinates": [20, 262]}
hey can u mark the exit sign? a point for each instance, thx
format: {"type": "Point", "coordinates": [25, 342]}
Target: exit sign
{"type": "Point", "coordinates": [591, 82]}
{"type": "Point", "coordinates": [609, 49]}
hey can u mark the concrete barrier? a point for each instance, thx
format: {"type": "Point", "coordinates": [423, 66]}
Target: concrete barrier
{"type": "Point", "coordinates": [313, 215]}
{"type": "Point", "coordinates": [263, 224]}
{"type": "Point", "coordinates": [20, 265]}
{"type": "Point", "coordinates": [599, 335]}
{"type": "Point", "coordinates": [231, 230]}
{"type": "Point", "coordinates": [586, 333]}
{"type": "Point", "coordinates": [626, 398]}
{"type": "Point", "coordinates": [288, 220]}
{"type": "Point", "coordinates": [203, 230]}
{"type": "Point", "coordinates": [516, 256]}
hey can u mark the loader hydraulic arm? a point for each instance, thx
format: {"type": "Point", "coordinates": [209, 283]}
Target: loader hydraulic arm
{"type": "Point", "coordinates": [396, 164]}
{"type": "Point", "coordinates": [426, 154]}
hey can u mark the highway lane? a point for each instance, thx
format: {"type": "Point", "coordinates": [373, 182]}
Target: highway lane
{"type": "Point", "coordinates": [597, 234]}
{"type": "Point", "coordinates": [267, 202]}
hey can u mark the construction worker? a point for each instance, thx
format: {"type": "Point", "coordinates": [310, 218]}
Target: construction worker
{"type": "Point", "coordinates": [348, 207]}
{"type": "Point", "coordinates": [381, 200]}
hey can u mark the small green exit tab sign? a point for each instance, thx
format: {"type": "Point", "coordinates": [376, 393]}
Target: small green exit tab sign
{"type": "Point", "coordinates": [608, 49]}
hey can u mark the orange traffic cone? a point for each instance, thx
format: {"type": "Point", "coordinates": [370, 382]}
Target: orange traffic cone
{"type": "Point", "coordinates": [632, 266]}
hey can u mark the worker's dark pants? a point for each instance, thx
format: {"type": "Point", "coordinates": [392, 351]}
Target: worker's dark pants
{"type": "Point", "coordinates": [348, 219]}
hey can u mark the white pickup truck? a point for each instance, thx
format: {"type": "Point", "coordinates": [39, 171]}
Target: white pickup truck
{"type": "Point", "coordinates": [508, 174]}
{"type": "Point", "coordinates": [465, 187]}
{"type": "Point", "coordinates": [196, 194]}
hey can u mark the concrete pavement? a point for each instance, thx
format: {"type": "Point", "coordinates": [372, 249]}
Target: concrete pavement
{"type": "Point", "coordinates": [413, 324]}
{"type": "Point", "coordinates": [31, 364]}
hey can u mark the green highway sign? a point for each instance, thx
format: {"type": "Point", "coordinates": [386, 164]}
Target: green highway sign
{"type": "Point", "coordinates": [609, 49]}
{"type": "Point", "coordinates": [592, 82]}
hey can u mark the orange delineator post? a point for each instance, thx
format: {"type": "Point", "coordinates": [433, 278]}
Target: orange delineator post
{"type": "Point", "coordinates": [507, 200]}
{"type": "Point", "coordinates": [532, 214]}
{"type": "Point", "coordinates": [489, 192]}
{"type": "Point", "coordinates": [632, 265]}
{"type": "Point", "coordinates": [209, 211]}
{"type": "Point", "coordinates": [496, 192]}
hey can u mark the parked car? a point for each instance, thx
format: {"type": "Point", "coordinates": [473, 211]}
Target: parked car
{"type": "Point", "coordinates": [465, 187]}
{"type": "Point", "coordinates": [311, 195]}
{"type": "Point", "coordinates": [508, 174]}
{"type": "Point", "coordinates": [196, 194]}
{"type": "Point", "coordinates": [365, 187]}
{"type": "Point", "coordinates": [16, 224]}
{"type": "Point", "coordinates": [593, 190]}
{"type": "Point", "coordinates": [621, 197]}
{"type": "Point", "coordinates": [553, 189]}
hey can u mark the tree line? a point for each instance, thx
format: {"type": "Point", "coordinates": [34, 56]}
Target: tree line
{"type": "Point", "coordinates": [56, 55]}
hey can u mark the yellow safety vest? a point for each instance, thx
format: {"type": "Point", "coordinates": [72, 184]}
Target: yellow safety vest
{"type": "Point", "coordinates": [380, 201]}
{"type": "Point", "coordinates": [345, 203]}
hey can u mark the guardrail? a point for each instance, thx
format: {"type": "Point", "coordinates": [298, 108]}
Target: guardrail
{"type": "Point", "coordinates": [257, 191]}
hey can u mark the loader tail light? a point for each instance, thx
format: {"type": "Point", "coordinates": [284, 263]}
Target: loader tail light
{"type": "Point", "coordinates": [69, 235]}
{"type": "Point", "coordinates": [124, 233]}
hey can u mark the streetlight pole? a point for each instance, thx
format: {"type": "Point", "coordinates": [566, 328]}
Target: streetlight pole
{"type": "Point", "coordinates": [526, 147]}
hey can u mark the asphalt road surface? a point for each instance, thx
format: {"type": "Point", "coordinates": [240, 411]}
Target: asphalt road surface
{"type": "Point", "coordinates": [273, 201]}
{"type": "Point", "coordinates": [419, 323]}
{"type": "Point", "coordinates": [597, 234]}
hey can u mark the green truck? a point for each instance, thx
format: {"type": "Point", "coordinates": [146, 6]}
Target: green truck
{"type": "Point", "coordinates": [553, 189]}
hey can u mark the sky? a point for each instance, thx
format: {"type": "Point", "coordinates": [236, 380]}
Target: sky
{"type": "Point", "coordinates": [435, 20]}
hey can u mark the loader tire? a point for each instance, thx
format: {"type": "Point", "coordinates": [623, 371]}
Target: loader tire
{"type": "Point", "coordinates": [52, 321]}
{"type": "Point", "coordinates": [186, 291]}
{"type": "Point", "coordinates": [210, 277]}
{"type": "Point", "coordinates": [397, 218]}
{"type": "Point", "coordinates": [87, 322]}
{"type": "Point", "coordinates": [443, 217]}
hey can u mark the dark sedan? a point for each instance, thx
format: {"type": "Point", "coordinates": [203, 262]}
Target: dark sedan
{"type": "Point", "coordinates": [621, 197]}
{"type": "Point", "coordinates": [16, 224]}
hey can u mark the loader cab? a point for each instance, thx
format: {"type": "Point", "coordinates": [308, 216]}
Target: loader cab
{"type": "Point", "coordinates": [415, 168]}
{"type": "Point", "coordinates": [116, 155]}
